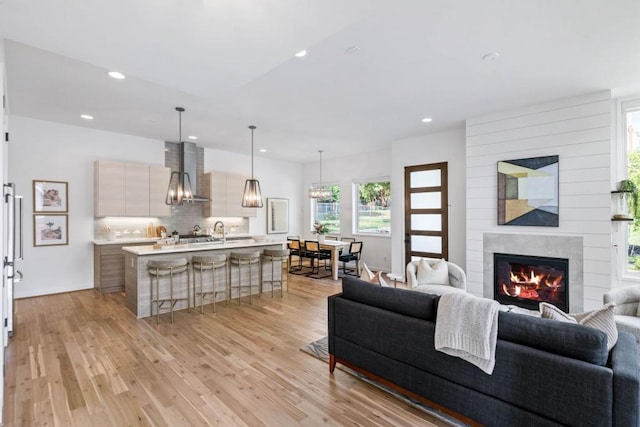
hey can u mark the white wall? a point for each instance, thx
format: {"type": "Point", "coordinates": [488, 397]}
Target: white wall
{"type": "Point", "coordinates": [278, 179]}
{"type": "Point", "coordinates": [447, 147]}
{"type": "Point", "coordinates": [578, 130]}
{"type": "Point", "coordinates": [342, 171]}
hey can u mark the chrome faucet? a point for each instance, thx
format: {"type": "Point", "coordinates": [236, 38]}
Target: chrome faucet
{"type": "Point", "coordinates": [224, 232]}
{"type": "Point", "coordinates": [196, 230]}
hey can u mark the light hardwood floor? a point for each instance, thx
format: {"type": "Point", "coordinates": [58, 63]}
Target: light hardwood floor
{"type": "Point", "coordinates": [82, 359]}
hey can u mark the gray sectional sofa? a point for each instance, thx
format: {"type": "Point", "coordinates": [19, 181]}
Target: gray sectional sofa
{"type": "Point", "coordinates": [547, 373]}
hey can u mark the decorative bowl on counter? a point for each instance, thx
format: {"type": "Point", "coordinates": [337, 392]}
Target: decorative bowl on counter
{"type": "Point", "coordinates": [259, 239]}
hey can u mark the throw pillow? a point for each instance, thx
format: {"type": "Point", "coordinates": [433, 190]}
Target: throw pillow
{"type": "Point", "coordinates": [432, 274]}
{"type": "Point", "coordinates": [601, 319]}
{"type": "Point", "coordinates": [366, 274]}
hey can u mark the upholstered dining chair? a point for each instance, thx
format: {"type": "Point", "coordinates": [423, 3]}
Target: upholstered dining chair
{"type": "Point", "coordinates": [354, 255]}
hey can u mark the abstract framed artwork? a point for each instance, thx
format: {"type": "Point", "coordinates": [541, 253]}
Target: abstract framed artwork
{"type": "Point", "coordinates": [50, 196]}
{"type": "Point", "coordinates": [277, 216]}
{"type": "Point", "coordinates": [528, 192]}
{"type": "Point", "coordinates": [50, 230]}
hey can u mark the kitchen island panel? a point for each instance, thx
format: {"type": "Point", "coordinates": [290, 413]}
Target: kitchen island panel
{"type": "Point", "coordinates": [138, 281]}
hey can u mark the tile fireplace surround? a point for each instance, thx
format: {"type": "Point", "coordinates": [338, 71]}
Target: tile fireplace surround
{"type": "Point", "coordinates": [537, 245]}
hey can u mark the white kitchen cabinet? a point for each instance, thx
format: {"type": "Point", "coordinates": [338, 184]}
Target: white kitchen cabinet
{"type": "Point", "coordinates": [130, 189]}
{"type": "Point", "coordinates": [225, 191]}
{"type": "Point", "coordinates": [158, 184]}
{"type": "Point", "coordinates": [136, 190]}
{"type": "Point", "coordinates": [109, 188]}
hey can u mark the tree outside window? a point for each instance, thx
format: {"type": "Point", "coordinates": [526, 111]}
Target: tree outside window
{"type": "Point", "coordinates": [373, 211]}
{"type": "Point", "coordinates": [327, 211]}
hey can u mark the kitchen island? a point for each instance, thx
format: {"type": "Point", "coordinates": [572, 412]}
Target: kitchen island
{"type": "Point", "coordinates": [138, 281]}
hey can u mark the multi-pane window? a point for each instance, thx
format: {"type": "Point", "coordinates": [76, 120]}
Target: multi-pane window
{"type": "Point", "coordinates": [632, 149]}
{"type": "Point", "coordinates": [373, 207]}
{"type": "Point", "coordinates": [327, 211]}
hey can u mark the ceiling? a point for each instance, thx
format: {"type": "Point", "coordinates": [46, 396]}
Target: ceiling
{"type": "Point", "coordinates": [374, 68]}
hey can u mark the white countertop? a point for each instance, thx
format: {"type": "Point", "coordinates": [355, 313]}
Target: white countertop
{"type": "Point", "coordinates": [203, 246]}
{"type": "Point", "coordinates": [125, 241]}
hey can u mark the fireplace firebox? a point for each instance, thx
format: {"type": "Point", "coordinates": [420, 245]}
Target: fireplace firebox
{"type": "Point", "coordinates": [526, 281]}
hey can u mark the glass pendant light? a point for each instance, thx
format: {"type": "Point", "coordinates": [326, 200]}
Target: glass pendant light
{"type": "Point", "coordinates": [252, 197]}
{"type": "Point", "coordinates": [179, 191]}
{"type": "Point", "coordinates": [320, 192]}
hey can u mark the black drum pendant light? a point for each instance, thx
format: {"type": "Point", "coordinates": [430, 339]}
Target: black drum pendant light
{"type": "Point", "coordinates": [252, 197]}
{"type": "Point", "coordinates": [179, 191]}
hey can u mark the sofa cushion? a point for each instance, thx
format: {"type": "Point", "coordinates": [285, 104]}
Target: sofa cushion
{"type": "Point", "coordinates": [601, 319]}
{"type": "Point", "coordinates": [566, 339]}
{"type": "Point", "coordinates": [414, 304]}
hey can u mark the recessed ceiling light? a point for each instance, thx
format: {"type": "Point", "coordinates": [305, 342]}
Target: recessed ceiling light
{"type": "Point", "coordinates": [263, 150]}
{"type": "Point", "coordinates": [116, 75]}
{"type": "Point", "coordinates": [352, 49]}
{"type": "Point", "coordinates": [427, 120]}
{"type": "Point", "coordinates": [86, 116]}
{"type": "Point", "coordinates": [491, 56]}
{"type": "Point", "coordinates": [301, 54]}
{"type": "Point", "coordinates": [193, 137]}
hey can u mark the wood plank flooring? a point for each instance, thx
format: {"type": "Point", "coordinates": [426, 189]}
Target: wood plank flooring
{"type": "Point", "coordinates": [82, 359]}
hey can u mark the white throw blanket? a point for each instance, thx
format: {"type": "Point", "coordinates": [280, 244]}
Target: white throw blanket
{"type": "Point", "coordinates": [467, 327]}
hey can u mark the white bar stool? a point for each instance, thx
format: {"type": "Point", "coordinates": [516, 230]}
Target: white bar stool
{"type": "Point", "coordinates": [273, 257]}
{"type": "Point", "coordinates": [240, 259]}
{"type": "Point", "coordinates": [160, 268]}
{"type": "Point", "coordinates": [200, 264]}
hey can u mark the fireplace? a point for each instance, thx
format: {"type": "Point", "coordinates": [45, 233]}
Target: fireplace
{"type": "Point", "coordinates": [526, 281]}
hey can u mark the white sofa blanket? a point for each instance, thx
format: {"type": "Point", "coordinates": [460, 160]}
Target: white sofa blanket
{"type": "Point", "coordinates": [467, 327]}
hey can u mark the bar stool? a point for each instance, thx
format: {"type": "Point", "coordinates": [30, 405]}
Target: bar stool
{"type": "Point", "coordinates": [240, 259]}
{"type": "Point", "coordinates": [209, 263]}
{"type": "Point", "coordinates": [160, 268]}
{"type": "Point", "coordinates": [273, 256]}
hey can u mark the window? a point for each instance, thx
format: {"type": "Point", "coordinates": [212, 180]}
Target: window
{"type": "Point", "coordinates": [327, 211]}
{"type": "Point", "coordinates": [373, 207]}
{"type": "Point", "coordinates": [632, 150]}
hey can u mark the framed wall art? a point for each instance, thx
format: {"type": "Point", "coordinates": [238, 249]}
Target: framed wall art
{"type": "Point", "coordinates": [528, 192]}
{"type": "Point", "coordinates": [50, 196]}
{"type": "Point", "coordinates": [277, 216]}
{"type": "Point", "coordinates": [50, 230]}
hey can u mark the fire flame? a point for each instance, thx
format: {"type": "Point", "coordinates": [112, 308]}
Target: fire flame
{"type": "Point", "coordinates": [529, 284]}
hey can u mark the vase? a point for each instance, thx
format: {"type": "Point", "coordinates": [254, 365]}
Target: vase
{"type": "Point", "coordinates": [320, 238]}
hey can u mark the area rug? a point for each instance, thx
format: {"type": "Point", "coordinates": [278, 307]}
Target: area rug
{"type": "Point", "coordinates": [320, 350]}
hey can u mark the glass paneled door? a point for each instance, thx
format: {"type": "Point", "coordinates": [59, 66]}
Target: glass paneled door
{"type": "Point", "coordinates": [426, 211]}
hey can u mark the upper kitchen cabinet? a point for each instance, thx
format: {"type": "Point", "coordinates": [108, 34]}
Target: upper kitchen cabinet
{"type": "Point", "coordinates": [129, 189]}
{"type": "Point", "coordinates": [109, 183]}
{"type": "Point", "coordinates": [158, 184]}
{"type": "Point", "coordinates": [225, 191]}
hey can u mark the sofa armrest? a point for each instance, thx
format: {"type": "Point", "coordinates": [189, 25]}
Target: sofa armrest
{"type": "Point", "coordinates": [626, 381]}
{"type": "Point", "coordinates": [625, 298]}
{"type": "Point", "coordinates": [457, 276]}
{"type": "Point", "coordinates": [331, 322]}
{"type": "Point", "coordinates": [412, 280]}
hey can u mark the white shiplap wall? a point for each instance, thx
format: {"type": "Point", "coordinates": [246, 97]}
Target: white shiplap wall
{"type": "Point", "coordinates": [579, 131]}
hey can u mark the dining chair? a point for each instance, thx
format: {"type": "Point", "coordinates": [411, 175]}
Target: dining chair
{"type": "Point", "coordinates": [295, 249]}
{"type": "Point", "coordinates": [354, 254]}
{"type": "Point", "coordinates": [313, 252]}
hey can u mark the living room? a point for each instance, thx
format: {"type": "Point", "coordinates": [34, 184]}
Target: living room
{"type": "Point", "coordinates": [479, 119]}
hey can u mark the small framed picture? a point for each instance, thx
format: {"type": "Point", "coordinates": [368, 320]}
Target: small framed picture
{"type": "Point", "coordinates": [50, 196]}
{"type": "Point", "coordinates": [277, 216]}
{"type": "Point", "coordinates": [50, 230]}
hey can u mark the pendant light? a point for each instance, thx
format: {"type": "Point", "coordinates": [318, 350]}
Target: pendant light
{"type": "Point", "coordinates": [252, 197]}
{"type": "Point", "coordinates": [179, 191]}
{"type": "Point", "coordinates": [320, 192]}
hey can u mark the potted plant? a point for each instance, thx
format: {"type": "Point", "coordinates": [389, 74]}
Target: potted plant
{"type": "Point", "coordinates": [630, 193]}
{"type": "Point", "coordinates": [320, 229]}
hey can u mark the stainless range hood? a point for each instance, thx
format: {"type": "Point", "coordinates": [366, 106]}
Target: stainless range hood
{"type": "Point", "coordinates": [188, 164]}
